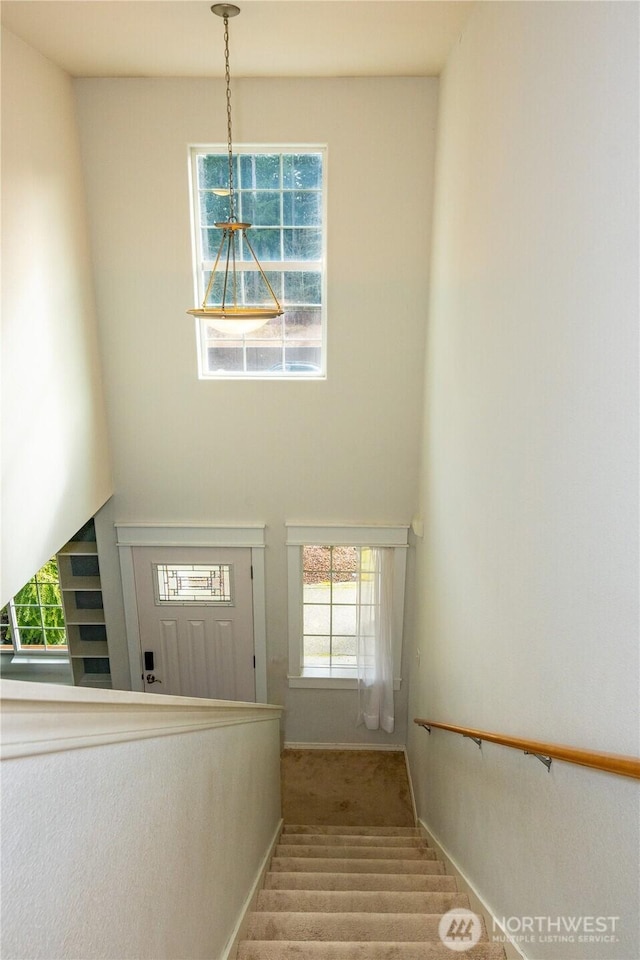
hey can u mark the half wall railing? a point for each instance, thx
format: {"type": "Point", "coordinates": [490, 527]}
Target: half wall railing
{"type": "Point", "coordinates": [139, 824]}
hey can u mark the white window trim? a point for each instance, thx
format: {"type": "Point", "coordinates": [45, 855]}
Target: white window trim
{"type": "Point", "coordinates": [337, 535]}
{"type": "Point", "coordinates": [293, 265]}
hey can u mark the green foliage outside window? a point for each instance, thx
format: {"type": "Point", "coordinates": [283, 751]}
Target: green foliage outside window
{"type": "Point", "coordinates": [38, 612]}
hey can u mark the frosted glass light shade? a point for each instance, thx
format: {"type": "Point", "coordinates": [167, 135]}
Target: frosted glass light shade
{"type": "Point", "coordinates": [236, 320]}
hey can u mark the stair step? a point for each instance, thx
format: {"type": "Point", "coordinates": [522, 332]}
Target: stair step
{"type": "Point", "coordinates": [371, 950]}
{"type": "Point", "coordinates": [359, 901]}
{"type": "Point", "coordinates": [334, 864]}
{"type": "Point", "coordinates": [354, 831]}
{"type": "Point", "coordinates": [350, 839]}
{"type": "Point", "coordinates": [354, 851]}
{"type": "Point", "coordinates": [358, 881]}
{"type": "Point", "coordinates": [270, 925]}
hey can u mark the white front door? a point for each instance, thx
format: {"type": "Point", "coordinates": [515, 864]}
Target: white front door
{"type": "Point", "coordinates": [195, 617]}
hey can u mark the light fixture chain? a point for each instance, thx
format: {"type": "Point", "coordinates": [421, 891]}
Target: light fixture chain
{"type": "Point", "coordinates": [227, 74]}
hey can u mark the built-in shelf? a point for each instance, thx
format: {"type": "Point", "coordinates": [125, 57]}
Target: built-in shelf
{"type": "Point", "coordinates": [79, 571]}
{"type": "Point", "coordinates": [79, 548]}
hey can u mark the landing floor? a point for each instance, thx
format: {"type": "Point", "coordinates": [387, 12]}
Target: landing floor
{"type": "Point", "coordinates": [346, 788]}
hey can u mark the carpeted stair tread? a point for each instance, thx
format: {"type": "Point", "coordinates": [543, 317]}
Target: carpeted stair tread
{"type": "Point", "coordinates": [371, 950]}
{"type": "Point", "coordinates": [334, 864]}
{"type": "Point", "coordinates": [355, 893]}
{"type": "Point", "coordinates": [266, 925]}
{"type": "Point", "coordinates": [360, 901]}
{"type": "Point", "coordinates": [359, 881]}
{"type": "Point", "coordinates": [353, 831]}
{"type": "Point", "coordinates": [347, 839]}
{"type": "Point", "coordinates": [353, 851]}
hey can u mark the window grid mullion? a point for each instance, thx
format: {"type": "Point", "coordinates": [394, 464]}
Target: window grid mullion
{"type": "Point", "coordinates": [13, 622]}
{"type": "Point", "coordinates": [330, 607]}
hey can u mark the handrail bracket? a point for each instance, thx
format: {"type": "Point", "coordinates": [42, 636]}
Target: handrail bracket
{"type": "Point", "coordinates": [540, 757]}
{"type": "Point", "coordinates": [476, 740]}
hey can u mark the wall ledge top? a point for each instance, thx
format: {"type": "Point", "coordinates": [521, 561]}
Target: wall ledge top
{"type": "Point", "coordinates": [40, 718]}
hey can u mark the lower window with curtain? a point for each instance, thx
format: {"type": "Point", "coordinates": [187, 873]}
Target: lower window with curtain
{"type": "Point", "coordinates": [346, 599]}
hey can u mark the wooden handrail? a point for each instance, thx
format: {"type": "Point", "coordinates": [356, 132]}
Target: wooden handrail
{"type": "Point", "coordinates": [609, 762]}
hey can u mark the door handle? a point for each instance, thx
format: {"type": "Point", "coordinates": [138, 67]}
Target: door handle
{"type": "Point", "coordinates": [152, 679]}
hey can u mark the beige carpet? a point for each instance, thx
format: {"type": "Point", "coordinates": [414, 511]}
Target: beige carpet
{"type": "Point", "coordinates": [351, 877]}
{"type": "Point", "coordinates": [359, 893]}
{"type": "Point", "coordinates": [346, 788]}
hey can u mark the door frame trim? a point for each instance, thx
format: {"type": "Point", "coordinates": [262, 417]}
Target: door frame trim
{"type": "Point", "coordinates": [252, 536]}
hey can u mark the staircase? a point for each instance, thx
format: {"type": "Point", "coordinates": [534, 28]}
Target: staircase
{"type": "Point", "coordinates": [355, 893]}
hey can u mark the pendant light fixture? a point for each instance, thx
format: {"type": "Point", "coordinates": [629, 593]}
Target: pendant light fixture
{"type": "Point", "coordinates": [232, 314]}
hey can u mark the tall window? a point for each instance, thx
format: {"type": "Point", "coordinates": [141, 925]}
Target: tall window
{"type": "Point", "coordinates": [33, 621]}
{"type": "Point", "coordinates": [330, 588]}
{"type": "Point", "coordinates": [281, 193]}
{"type": "Point", "coordinates": [331, 572]}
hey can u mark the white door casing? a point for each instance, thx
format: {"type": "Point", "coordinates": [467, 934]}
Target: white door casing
{"type": "Point", "coordinates": [251, 536]}
{"type": "Point", "coordinates": [195, 617]}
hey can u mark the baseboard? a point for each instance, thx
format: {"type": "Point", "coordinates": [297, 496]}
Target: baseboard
{"type": "Point", "coordinates": [231, 949]}
{"type": "Point", "coordinates": [411, 792]}
{"type": "Point", "coordinates": [290, 745]}
{"type": "Point", "coordinates": [512, 951]}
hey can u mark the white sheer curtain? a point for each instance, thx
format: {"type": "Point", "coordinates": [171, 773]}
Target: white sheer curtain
{"type": "Point", "coordinates": [375, 639]}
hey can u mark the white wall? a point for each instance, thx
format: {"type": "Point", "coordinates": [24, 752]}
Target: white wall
{"type": "Point", "coordinates": [131, 849]}
{"type": "Point", "coordinates": [55, 471]}
{"type": "Point", "coordinates": [527, 575]}
{"type": "Point", "coordinates": [342, 450]}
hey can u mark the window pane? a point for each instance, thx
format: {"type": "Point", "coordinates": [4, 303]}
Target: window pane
{"type": "Point", "coordinates": [344, 618]}
{"type": "Point", "coordinates": [31, 636]}
{"type": "Point", "coordinates": [316, 559]}
{"type": "Point", "coordinates": [316, 651]}
{"type": "Point", "coordinates": [303, 323]}
{"type": "Point", "coordinates": [344, 650]}
{"type": "Point", "coordinates": [49, 594]}
{"type": "Point", "coordinates": [261, 209]}
{"type": "Point", "coordinates": [302, 171]}
{"type": "Point", "coordinates": [260, 170]}
{"type": "Point", "coordinates": [28, 616]}
{"type": "Point", "coordinates": [213, 170]}
{"type": "Point", "coordinates": [264, 358]}
{"type": "Point", "coordinates": [53, 617]}
{"type": "Point", "coordinates": [303, 286]}
{"type": "Point", "coordinates": [346, 560]}
{"type": "Point", "coordinates": [193, 583]}
{"type": "Point", "coordinates": [301, 209]}
{"type": "Point", "coordinates": [55, 638]}
{"type": "Point", "coordinates": [210, 238]}
{"type": "Point", "coordinates": [317, 619]}
{"type": "Point", "coordinates": [266, 243]}
{"type": "Point", "coordinates": [213, 209]}
{"type": "Point", "coordinates": [225, 359]}
{"type": "Point", "coordinates": [303, 361]}
{"type": "Point", "coordinates": [215, 294]}
{"type": "Point", "coordinates": [256, 290]}
{"type": "Point", "coordinates": [5, 628]}
{"type": "Point", "coordinates": [302, 243]}
{"type": "Point", "coordinates": [315, 592]}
